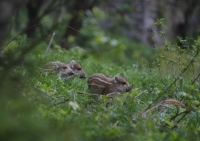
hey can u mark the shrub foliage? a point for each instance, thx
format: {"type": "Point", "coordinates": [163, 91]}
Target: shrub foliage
{"type": "Point", "coordinates": [163, 105]}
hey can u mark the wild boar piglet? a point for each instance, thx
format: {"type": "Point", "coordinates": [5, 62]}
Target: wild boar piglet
{"type": "Point", "coordinates": [102, 84]}
{"type": "Point", "coordinates": [58, 68]}
{"type": "Point", "coordinates": [77, 68]}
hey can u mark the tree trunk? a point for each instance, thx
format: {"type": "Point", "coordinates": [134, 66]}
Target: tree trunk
{"type": "Point", "coordinates": [75, 22]}
{"type": "Point", "coordinates": [180, 17]}
{"type": "Point", "coordinates": [8, 8]}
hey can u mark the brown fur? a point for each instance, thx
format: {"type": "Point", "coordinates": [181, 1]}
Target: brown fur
{"type": "Point", "coordinates": [102, 84]}
{"type": "Point", "coordinates": [77, 68]}
{"type": "Point", "coordinates": [58, 68]}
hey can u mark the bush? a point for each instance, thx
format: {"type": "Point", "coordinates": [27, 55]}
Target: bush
{"type": "Point", "coordinates": [162, 105]}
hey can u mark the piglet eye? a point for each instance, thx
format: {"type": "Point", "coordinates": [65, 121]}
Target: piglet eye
{"type": "Point", "coordinates": [79, 69]}
{"type": "Point", "coordinates": [123, 83]}
{"type": "Point", "coordinates": [64, 67]}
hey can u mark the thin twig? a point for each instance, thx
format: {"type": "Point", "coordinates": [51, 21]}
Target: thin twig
{"type": "Point", "coordinates": [184, 69]}
{"type": "Point", "coordinates": [186, 112]}
{"type": "Point", "coordinates": [177, 114]}
{"type": "Point", "coordinates": [110, 94]}
{"type": "Point", "coordinates": [114, 93]}
{"type": "Point", "coordinates": [167, 101]}
{"type": "Point", "coordinates": [50, 41]}
{"type": "Point", "coordinates": [54, 33]}
{"type": "Point", "coordinates": [195, 79]}
{"type": "Point", "coordinates": [78, 92]}
{"type": "Point", "coordinates": [116, 123]}
{"type": "Point", "coordinates": [23, 32]}
{"type": "Point", "coordinates": [140, 93]}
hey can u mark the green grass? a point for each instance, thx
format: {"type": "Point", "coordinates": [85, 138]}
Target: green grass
{"type": "Point", "coordinates": [50, 108]}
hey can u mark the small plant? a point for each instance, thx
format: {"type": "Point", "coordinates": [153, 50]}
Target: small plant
{"type": "Point", "coordinates": [177, 73]}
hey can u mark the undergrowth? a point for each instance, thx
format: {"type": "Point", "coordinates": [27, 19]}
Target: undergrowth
{"type": "Point", "coordinates": [163, 103]}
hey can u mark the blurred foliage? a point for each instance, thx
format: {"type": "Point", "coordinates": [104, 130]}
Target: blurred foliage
{"type": "Point", "coordinates": [108, 45]}
{"type": "Point", "coordinates": [40, 107]}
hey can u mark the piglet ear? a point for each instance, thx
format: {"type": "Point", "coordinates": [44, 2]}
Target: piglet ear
{"type": "Point", "coordinates": [116, 78]}
{"type": "Point", "coordinates": [72, 63]}
{"type": "Point", "coordinates": [57, 64]}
